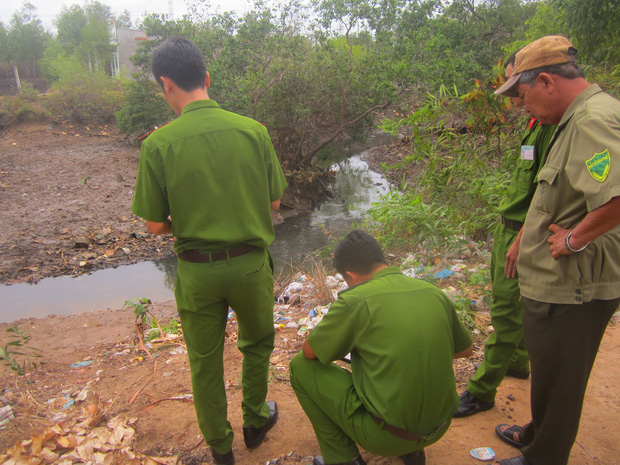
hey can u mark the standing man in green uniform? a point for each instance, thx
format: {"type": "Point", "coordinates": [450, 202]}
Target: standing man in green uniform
{"type": "Point", "coordinates": [504, 352]}
{"type": "Point", "coordinates": [402, 334]}
{"type": "Point", "coordinates": [211, 178]}
{"type": "Point", "coordinates": [569, 257]}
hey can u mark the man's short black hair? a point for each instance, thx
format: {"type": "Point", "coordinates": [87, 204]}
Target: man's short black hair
{"type": "Point", "coordinates": [181, 61]}
{"type": "Point", "coordinates": [511, 59]}
{"type": "Point", "coordinates": [358, 252]}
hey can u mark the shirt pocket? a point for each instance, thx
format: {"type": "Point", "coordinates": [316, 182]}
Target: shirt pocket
{"type": "Point", "coordinates": [546, 194]}
{"type": "Point", "coordinates": [525, 175]}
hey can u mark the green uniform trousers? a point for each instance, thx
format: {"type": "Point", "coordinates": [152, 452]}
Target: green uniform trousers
{"type": "Point", "coordinates": [339, 419]}
{"type": "Point", "coordinates": [563, 341]}
{"type": "Point", "coordinates": [203, 292]}
{"type": "Point", "coordinates": [505, 347]}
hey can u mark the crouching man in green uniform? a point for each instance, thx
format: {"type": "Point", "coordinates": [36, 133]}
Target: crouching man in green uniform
{"type": "Point", "coordinates": [402, 334]}
{"type": "Point", "coordinates": [211, 178]}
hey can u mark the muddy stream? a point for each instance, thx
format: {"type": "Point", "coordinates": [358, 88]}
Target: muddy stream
{"type": "Point", "coordinates": [355, 188]}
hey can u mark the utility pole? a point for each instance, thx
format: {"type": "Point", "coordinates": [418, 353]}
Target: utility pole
{"type": "Point", "coordinates": [171, 10]}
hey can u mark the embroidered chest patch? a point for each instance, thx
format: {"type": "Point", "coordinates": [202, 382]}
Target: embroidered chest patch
{"type": "Point", "coordinates": [598, 166]}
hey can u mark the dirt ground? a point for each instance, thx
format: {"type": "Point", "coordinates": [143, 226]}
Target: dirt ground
{"type": "Point", "coordinates": [65, 194]}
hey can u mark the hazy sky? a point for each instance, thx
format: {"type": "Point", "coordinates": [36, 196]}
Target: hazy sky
{"type": "Point", "coordinates": [48, 10]}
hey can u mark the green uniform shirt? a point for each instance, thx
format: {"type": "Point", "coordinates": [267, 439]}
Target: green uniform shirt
{"type": "Point", "coordinates": [402, 334]}
{"type": "Point", "coordinates": [521, 190]}
{"type": "Point", "coordinates": [215, 173]}
{"type": "Point", "coordinates": [582, 173]}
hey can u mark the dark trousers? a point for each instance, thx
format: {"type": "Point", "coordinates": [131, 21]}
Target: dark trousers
{"type": "Point", "coordinates": [562, 341]}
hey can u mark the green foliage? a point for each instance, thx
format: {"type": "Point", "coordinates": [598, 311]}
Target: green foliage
{"type": "Point", "coordinates": [173, 327]}
{"type": "Point", "coordinates": [487, 111]}
{"type": "Point", "coordinates": [459, 182]}
{"type": "Point", "coordinates": [466, 313]}
{"type": "Point", "coordinates": [609, 80]}
{"type": "Point", "coordinates": [85, 32]}
{"type": "Point", "coordinates": [593, 29]}
{"type": "Point", "coordinates": [143, 109]}
{"type": "Point", "coordinates": [21, 108]}
{"type": "Point", "coordinates": [146, 320]}
{"type": "Point", "coordinates": [17, 354]}
{"type": "Point", "coordinates": [140, 309]}
{"type": "Point", "coordinates": [404, 219]}
{"type": "Point", "coordinates": [459, 42]}
{"type": "Point", "coordinates": [308, 93]}
{"type": "Point", "coordinates": [25, 40]}
{"type": "Point", "coordinates": [429, 123]}
{"type": "Point", "coordinates": [83, 96]}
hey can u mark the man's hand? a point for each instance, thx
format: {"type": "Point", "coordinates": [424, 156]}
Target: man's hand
{"type": "Point", "coordinates": [511, 257]}
{"type": "Point", "coordinates": [308, 352]}
{"type": "Point", "coordinates": [558, 241]}
{"type": "Point", "coordinates": [159, 228]}
{"type": "Point", "coordinates": [465, 353]}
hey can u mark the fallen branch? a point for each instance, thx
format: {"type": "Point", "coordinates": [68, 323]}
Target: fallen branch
{"type": "Point", "coordinates": [182, 398]}
{"type": "Point", "coordinates": [145, 384]}
{"type": "Point", "coordinates": [194, 447]}
{"type": "Point", "coordinates": [154, 364]}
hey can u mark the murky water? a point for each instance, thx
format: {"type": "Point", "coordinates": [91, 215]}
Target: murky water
{"type": "Point", "coordinates": [355, 189]}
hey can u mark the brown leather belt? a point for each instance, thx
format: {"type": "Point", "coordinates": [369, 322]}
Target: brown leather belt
{"type": "Point", "coordinates": [399, 433]}
{"type": "Point", "coordinates": [203, 257]}
{"type": "Point", "coordinates": [512, 224]}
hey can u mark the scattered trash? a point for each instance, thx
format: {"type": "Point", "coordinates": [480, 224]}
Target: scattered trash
{"type": "Point", "coordinates": [443, 274]}
{"type": "Point", "coordinates": [180, 350]}
{"type": "Point", "coordinates": [6, 414]}
{"type": "Point", "coordinates": [483, 453]}
{"type": "Point", "coordinates": [323, 309]}
{"type": "Point", "coordinates": [331, 282]}
{"type": "Point", "coordinates": [292, 289]}
{"type": "Point", "coordinates": [410, 272]}
{"type": "Point", "coordinates": [68, 404]}
{"type": "Point", "coordinates": [85, 363]}
{"type": "Point", "coordinates": [452, 293]}
{"type": "Point", "coordinates": [458, 267]}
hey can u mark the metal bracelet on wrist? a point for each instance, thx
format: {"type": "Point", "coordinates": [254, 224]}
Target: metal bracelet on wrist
{"type": "Point", "coordinates": [567, 243]}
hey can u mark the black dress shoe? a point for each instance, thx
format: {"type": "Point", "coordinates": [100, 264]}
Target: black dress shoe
{"type": "Point", "coordinates": [470, 405]}
{"type": "Point", "coordinates": [414, 458]}
{"type": "Point", "coordinates": [518, 374]}
{"type": "Point", "coordinates": [318, 460]}
{"type": "Point", "coordinates": [223, 459]}
{"type": "Point", "coordinates": [252, 436]}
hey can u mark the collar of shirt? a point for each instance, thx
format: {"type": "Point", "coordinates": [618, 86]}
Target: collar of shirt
{"type": "Point", "coordinates": [386, 271]}
{"type": "Point", "coordinates": [585, 95]}
{"type": "Point", "coordinates": [198, 104]}
{"type": "Point", "coordinates": [382, 272]}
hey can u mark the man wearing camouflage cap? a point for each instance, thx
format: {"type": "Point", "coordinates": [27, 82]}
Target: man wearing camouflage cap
{"type": "Point", "coordinates": [569, 257]}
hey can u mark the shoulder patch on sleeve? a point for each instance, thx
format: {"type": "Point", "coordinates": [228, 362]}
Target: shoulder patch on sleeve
{"type": "Point", "coordinates": [599, 165]}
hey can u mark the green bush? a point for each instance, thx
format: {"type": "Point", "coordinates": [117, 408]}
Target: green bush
{"type": "Point", "coordinates": [83, 96]}
{"type": "Point", "coordinates": [143, 108]}
{"type": "Point", "coordinates": [20, 108]}
{"type": "Point", "coordinates": [460, 178]}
